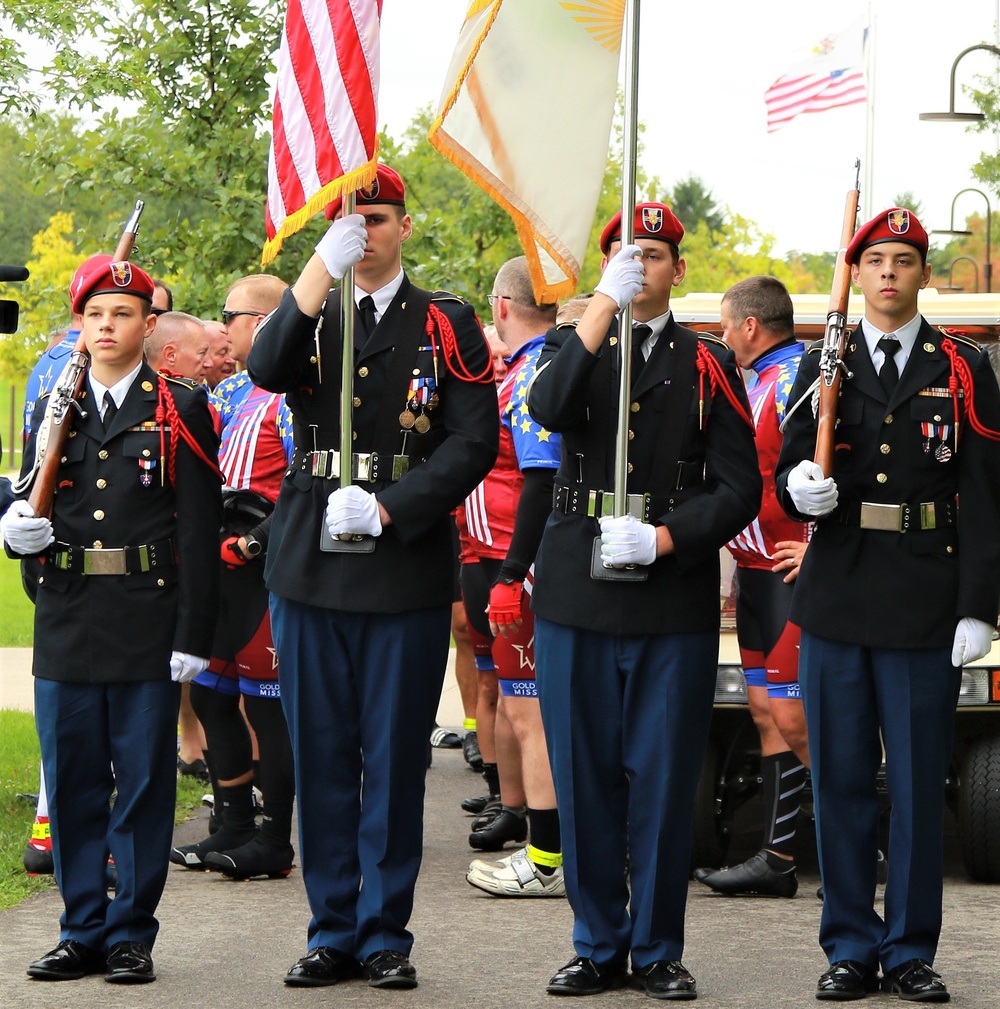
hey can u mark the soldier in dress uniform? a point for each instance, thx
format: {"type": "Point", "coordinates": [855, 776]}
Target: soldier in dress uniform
{"type": "Point", "coordinates": [125, 607]}
{"type": "Point", "coordinates": [626, 668]}
{"type": "Point", "coordinates": [898, 589]}
{"type": "Point", "coordinates": [362, 637]}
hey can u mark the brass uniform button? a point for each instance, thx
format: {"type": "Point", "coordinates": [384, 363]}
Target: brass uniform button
{"type": "Point", "coordinates": [63, 459]}
{"type": "Point", "coordinates": [613, 341]}
{"type": "Point", "coordinates": [102, 483]}
{"type": "Point", "coordinates": [631, 434]}
{"type": "Point", "coordinates": [948, 550]}
{"type": "Point", "coordinates": [41, 579]}
{"type": "Point", "coordinates": [98, 544]}
{"type": "Point", "coordinates": [312, 360]}
{"type": "Point", "coordinates": [160, 582]}
{"type": "Point", "coordinates": [357, 401]}
{"type": "Point", "coordinates": [72, 434]}
{"type": "Point", "coordinates": [416, 371]}
{"type": "Point", "coordinates": [362, 372]}
{"type": "Point", "coordinates": [937, 417]}
{"type": "Point", "coordinates": [354, 436]}
{"type": "Point", "coordinates": [630, 467]}
{"type": "Point", "coordinates": [884, 449]}
{"type": "Point", "coordinates": [634, 408]}
{"type": "Point", "coordinates": [147, 386]}
{"type": "Point", "coordinates": [99, 515]}
{"type": "Point", "coordinates": [882, 478]}
{"type": "Point", "coordinates": [103, 454]}
{"type": "Point", "coordinates": [145, 453]}
{"type": "Point", "coordinates": [929, 347]}
{"type": "Point", "coordinates": [888, 419]}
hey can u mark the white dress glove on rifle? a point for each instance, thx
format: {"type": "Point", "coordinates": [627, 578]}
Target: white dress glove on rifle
{"type": "Point", "coordinates": [184, 667]}
{"type": "Point", "coordinates": [623, 276]}
{"type": "Point", "coordinates": [343, 245]}
{"type": "Point", "coordinates": [23, 532]}
{"type": "Point", "coordinates": [811, 492]}
{"type": "Point", "coordinates": [626, 540]}
{"type": "Point", "coordinates": [353, 511]}
{"type": "Point", "coordinates": [972, 641]}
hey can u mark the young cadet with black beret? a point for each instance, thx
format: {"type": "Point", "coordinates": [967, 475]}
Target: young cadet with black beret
{"type": "Point", "coordinates": [898, 589]}
{"type": "Point", "coordinates": [626, 670]}
{"type": "Point", "coordinates": [125, 610]}
{"type": "Point", "coordinates": [362, 637]}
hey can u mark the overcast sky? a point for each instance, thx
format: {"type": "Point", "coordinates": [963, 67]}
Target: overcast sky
{"type": "Point", "coordinates": [704, 68]}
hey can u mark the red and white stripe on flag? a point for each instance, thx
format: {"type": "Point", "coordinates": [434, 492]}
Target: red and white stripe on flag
{"type": "Point", "coordinates": [821, 76]}
{"type": "Point", "coordinates": [324, 139]}
{"type": "Point", "coordinates": [792, 95]}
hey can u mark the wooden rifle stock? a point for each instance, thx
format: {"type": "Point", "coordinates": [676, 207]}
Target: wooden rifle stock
{"type": "Point", "coordinates": [58, 419]}
{"type": "Point", "coordinates": [831, 356]}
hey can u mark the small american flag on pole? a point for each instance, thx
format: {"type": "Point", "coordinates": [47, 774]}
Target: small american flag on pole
{"type": "Point", "coordinates": [324, 140]}
{"type": "Point", "coordinates": [830, 74]}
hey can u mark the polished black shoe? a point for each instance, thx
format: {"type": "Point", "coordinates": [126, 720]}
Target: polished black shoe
{"type": "Point", "coordinates": [321, 966]}
{"type": "Point", "coordinates": [388, 968]}
{"type": "Point", "coordinates": [253, 859]}
{"type": "Point", "coordinates": [664, 979]}
{"type": "Point", "coordinates": [130, 963]}
{"type": "Point", "coordinates": [915, 981]}
{"type": "Point", "coordinates": [753, 878]}
{"type": "Point", "coordinates": [506, 827]}
{"type": "Point", "coordinates": [192, 856]}
{"type": "Point", "coordinates": [582, 976]}
{"type": "Point", "coordinates": [470, 751]}
{"type": "Point", "coordinates": [69, 961]}
{"type": "Point", "coordinates": [847, 980]}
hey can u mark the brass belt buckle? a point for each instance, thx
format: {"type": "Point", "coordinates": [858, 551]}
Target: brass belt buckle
{"type": "Point", "coordinates": [104, 562]}
{"type": "Point", "coordinates": [884, 517]}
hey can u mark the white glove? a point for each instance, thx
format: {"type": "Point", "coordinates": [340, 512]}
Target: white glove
{"type": "Point", "coordinates": [972, 641]}
{"type": "Point", "coordinates": [623, 276]}
{"type": "Point", "coordinates": [184, 667]}
{"type": "Point", "coordinates": [343, 245]}
{"type": "Point", "coordinates": [626, 540]}
{"type": "Point", "coordinates": [354, 511]}
{"type": "Point", "coordinates": [810, 491]}
{"type": "Point", "coordinates": [23, 532]}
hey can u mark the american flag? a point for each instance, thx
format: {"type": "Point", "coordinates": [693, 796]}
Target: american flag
{"type": "Point", "coordinates": [324, 139]}
{"type": "Point", "coordinates": [830, 75]}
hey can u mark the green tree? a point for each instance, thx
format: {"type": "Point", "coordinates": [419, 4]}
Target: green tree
{"type": "Point", "coordinates": [694, 204]}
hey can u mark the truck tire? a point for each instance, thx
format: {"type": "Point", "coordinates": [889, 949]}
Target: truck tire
{"type": "Point", "coordinates": [979, 809]}
{"type": "Point", "coordinates": [708, 850]}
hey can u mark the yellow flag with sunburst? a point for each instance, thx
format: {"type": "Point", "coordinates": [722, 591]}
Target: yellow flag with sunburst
{"type": "Point", "coordinates": [526, 113]}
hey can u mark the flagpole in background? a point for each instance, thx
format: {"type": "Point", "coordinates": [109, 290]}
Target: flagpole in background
{"type": "Point", "coordinates": [630, 47]}
{"type": "Point", "coordinates": [866, 193]}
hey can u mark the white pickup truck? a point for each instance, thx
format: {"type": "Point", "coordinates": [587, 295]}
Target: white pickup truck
{"type": "Point", "coordinates": [731, 772]}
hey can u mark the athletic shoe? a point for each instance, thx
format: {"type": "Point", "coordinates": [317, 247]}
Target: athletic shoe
{"type": "Point", "coordinates": [494, 804]}
{"type": "Point", "coordinates": [516, 876]}
{"type": "Point", "coordinates": [445, 739]}
{"type": "Point", "coordinates": [508, 826]}
{"type": "Point", "coordinates": [470, 750]}
{"type": "Point", "coordinates": [192, 856]}
{"type": "Point", "coordinates": [255, 858]}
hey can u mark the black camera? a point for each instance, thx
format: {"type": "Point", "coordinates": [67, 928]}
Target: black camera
{"type": "Point", "coordinates": [8, 309]}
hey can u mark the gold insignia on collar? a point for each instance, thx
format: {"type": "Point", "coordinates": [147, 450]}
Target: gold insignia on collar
{"type": "Point", "coordinates": [613, 341]}
{"type": "Point", "coordinates": [853, 347]}
{"type": "Point", "coordinates": [147, 386]}
{"type": "Point", "coordinates": [929, 347]}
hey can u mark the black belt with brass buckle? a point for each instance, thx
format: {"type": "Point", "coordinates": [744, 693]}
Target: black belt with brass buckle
{"type": "Point", "coordinates": [598, 503]}
{"type": "Point", "coordinates": [112, 561]}
{"type": "Point", "coordinates": [370, 466]}
{"type": "Point", "coordinates": [899, 518]}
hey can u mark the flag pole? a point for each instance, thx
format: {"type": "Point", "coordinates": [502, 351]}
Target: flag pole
{"type": "Point", "coordinates": [347, 364]}
{"type": "Point", "coordinates": [630, 45]}
{"type": "Point", "coordinates": [866, 194]}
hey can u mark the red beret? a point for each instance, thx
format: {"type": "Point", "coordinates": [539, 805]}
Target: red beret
{"type": "Point", "coordinates": [387, 188]}
{"type": "Point", "coordinates": [896, 224]}
{"type": "Point", "coordinates": [652, 220]}
{"type": "Point", "coordinates": [99, 275]}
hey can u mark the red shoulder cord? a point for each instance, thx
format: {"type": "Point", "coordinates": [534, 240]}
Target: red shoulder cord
{"type": "Point", "coordinates": [438, 324]}
{"type": "Point", "coordinates": [166, 412]}
{"type": "Point", "coordinates": [961, 378]}
{"type": "Point", "coordinates": [708, 366]}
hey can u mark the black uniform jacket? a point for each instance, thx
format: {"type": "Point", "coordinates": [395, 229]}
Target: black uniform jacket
{"type": "Point", "coordinates": [411, 566]}
{"type": "Point", "coordinates": [704, 480]}
{"type": "Point", "coordinates": [900, 589]}
{"type": "Point", "coordinates": [122, 628]}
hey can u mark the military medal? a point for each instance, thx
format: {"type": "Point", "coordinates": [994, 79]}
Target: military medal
{"type": "Point", "coordinates": [942, 453]}
{"type": "Point", "coordinates": [406, 419]}
{"type": "Point", "coordinates": [145, 468]}
{"type": "Point", "coordinates": [422, 424]}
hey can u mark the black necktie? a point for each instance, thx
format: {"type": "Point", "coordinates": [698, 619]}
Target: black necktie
{"type": "Point", "coordinates": [889, 373]}
{"type": "Point", "coordinates": [110, 409]}
{"type": "Point", "coordinates": [367, 306]}
{"type": "Point", "coordinates": [640, 333]}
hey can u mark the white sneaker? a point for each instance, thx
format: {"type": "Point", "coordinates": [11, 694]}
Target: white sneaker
{"type": "Point", "coordinates": [516, 876]}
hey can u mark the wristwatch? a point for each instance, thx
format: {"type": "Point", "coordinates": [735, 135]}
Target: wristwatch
{"type": "Point", "coordinates": [253, 547]}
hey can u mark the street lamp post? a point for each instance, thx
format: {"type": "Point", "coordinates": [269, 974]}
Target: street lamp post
{"type": "Point", "coordinates": [952, 230]}
{"type": "Point", "coordinates": [951, 116]}
{"type": "Point", "coordinates": [951, 274]}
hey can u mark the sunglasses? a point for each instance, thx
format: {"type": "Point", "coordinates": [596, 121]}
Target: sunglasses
{"type": "Point", "coordinates": [228, 315]}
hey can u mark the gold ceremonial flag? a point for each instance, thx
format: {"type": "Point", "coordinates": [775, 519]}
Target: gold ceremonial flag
{"type": "Point", "coordinates": [526, 114]}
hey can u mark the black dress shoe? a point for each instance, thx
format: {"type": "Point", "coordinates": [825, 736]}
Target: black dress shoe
{"type": "Point", "coordinates": [664, 979]}
{"type": "Point", "coordinates": [130, 963]}
{"type": "Point", "coordinates": [388, 968]}
{"type": "Point", "coordinates": [69, 961]}
{"type": "Point", "coordinates": [847, 980]}
{"type": "Point", "coordinates": [915, 981]}
{"type": "Point", "coordinates": [582, 976]}
{"type": "Point", "coordinates": [753, 878]}
{"type": "Point", "coordinates": [322, 965]}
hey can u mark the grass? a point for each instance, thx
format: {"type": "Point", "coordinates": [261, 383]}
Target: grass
{"type": "Point", "coordinates": [19, 758]}
{"type": "Point", "coordinates": [17, 626]}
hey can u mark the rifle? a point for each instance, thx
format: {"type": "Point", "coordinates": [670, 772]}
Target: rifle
{"type": "Point", "coordinates": [64, 398]}
{"type": "Point", "coordinates": [831, 361]}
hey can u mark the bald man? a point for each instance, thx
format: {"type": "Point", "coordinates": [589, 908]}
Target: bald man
{"type": "Point", "coordinates": [178, 345]}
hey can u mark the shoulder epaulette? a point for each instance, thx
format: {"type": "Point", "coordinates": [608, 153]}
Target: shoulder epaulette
{"type": "Point", "coordinates": [44, 395]}
{"type": "Point", "coordinates": [187, 383]}
{"type": "Point", "coordinates": [447, 296]}
{"type": "Point", "coordinates": [712, 338]}
{"type": "Point", "coordinates": [565, 325]}
{"type": "Point", "coordinates": [815, 346]}
{"type": "Point", "coordinates": [961, 338]}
